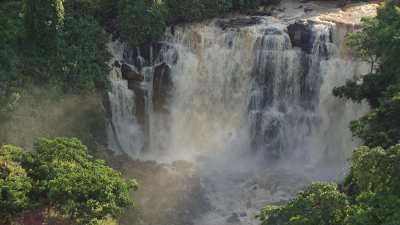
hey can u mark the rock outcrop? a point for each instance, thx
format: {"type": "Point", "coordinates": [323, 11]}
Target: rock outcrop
{"type": "Point", "coordinates": [301, 35]}
{"type": "Point", "coordinates": [162, 86]}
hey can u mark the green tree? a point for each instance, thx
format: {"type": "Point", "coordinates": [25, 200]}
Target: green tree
{"type": "Point", "coordinates": [76, 185]}
{"type": "Point", "coordinates": [379, 43]}
{"type": "Point", "coordinates": [82, 60]}
{"type": "Point", "coordinates": [319, 204]}
{"type": "Point", "coordinates": [59, 176]}
{"type": "Point", "coordinates": [15, 185]}
{"type": "Point", "coordinates": [43, 18]}
{"type": "Point", "coordinates": [142, 21]}
{"type": "Point", "coordinates": [376, 181]}
{"type": "Point", "coordinates": [11, 27]}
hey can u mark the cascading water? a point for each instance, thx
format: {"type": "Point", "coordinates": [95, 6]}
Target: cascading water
{"type": "Point", "coordinates": [124, 134]}
{"type": "Point", "coordinates": [249, 105]}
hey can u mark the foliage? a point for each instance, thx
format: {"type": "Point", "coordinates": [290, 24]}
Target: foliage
{"type": "Point", "coordinates": [59, 174]}
{"type": "Point", "coordinates": [379, 43]}
{"type": "Point", "coordinates": [319, 204]}
{"type": "Point", "coordinates": [77, 185]}
{"type": "Point", "coordinates": [43, 18]}
{"type": "Point", "coordinates": [82, 62]}
{"type": "Point", "coordinates": [79, 61]}
{"type": "Point", "coordinates": [142, 20]}
{"type": "Point", "coordinates": [10, 33]}
{"type": "Point", "coordinates": [190, 10]}
{"type": "Point", "coordinates": [244, 4]}
{"type": "Point", "coordinates": [376, 181]}
{"type": "Point", "coordinates": [375, 199]}
{"type": "Point", "coordinates": [50, 44]}
{"type": "Point", "coordinates": [15, 185]}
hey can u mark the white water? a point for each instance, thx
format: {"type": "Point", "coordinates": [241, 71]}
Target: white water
{"type": "Point", "coordinates": [123, 132]}
{"type": "Point", "coordinates": [254, 114]}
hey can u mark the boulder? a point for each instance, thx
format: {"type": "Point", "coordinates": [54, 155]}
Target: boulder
{"type": "Point", "coordinates": [301, 35]}
{"type": "Point", "coordinates": [162, 87]}
{"type": "Point", "coordinates": [130, 73]}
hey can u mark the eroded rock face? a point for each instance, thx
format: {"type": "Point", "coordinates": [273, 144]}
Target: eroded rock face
{"type": "Point", "coordinates": [238, 22]}
{"type": "Point", "coordinates": [301, 35]}
{"type": "Point", "coordinates": [140, 101]}
{"type": "Point", "coordinates": [131, 74]}
{"type": "Point", "coordinates": [162, 85]}
{"type": "Point", "coordinates": [145, 55]}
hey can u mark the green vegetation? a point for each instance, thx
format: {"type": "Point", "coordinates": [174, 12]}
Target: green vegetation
{"type": "Point", "coordinates": [61, 179]}
{"type": "Point", "coordinates": [371, 197]}
{"type": "Point", "coordinates": [319, 204]}
{"type": "Point", "coordinates": [43, 20]}
{"type": "Point", "coordinates": [379, 42]}
{"type": "Point", "coordinates": [144, 21]}
{"type": "Point", "coordinates": [370, 194]}
{"type": "Point", "coordinates": [50, 44]}
{"type": "Point", "coordinates": [15, 185]}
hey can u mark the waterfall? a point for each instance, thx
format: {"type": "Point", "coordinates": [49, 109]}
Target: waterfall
{"type": "Point", "coordinates": [248, 101]}
{"type": "Point", "coordinates": [124, 134]}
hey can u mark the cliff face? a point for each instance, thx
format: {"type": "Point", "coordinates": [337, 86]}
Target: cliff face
{"type": "Point", "coordinates": [245, 101]}
{"type": "Point", "coordinates": [150, 71]}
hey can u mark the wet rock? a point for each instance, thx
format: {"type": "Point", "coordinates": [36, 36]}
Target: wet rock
{"type": "Point", "coordinates": [162, 86]}
{"type": "Point", "coordinates": [341, 3]}
{"type": "Point", "coordinates": [260, 13]}
{"type": "Point", "coordinates": [272, 31]}
{"type": "Point", "coordinates": [238, 22]}
{"type": "Point", "coordinates": [269, 2]}
{"type": "Point", "coordinates": [243, 214]}
{"type": "Point", "coordinates": [106, 103]}
{"type": "Point", "coordinates": [145, 55]}
{"type": "Point", "coordinates": [308, 9]}
{"type": "Point", "coordinates": [281, 9]}
{"type": "Point", "coordinates": [301, 35]}
{"type": "Point", "coordinates": [116, 64]}
{"type": "Point", "coordinates": [234, 218]}
{"type": "Point", "coordinates": [140, 101]}
{"type": "Point", "coordinates": [129, 73]}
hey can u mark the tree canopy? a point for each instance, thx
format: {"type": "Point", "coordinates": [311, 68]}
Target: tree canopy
{"type": "Point", "coordinates": [61, 176]}
{"type": "Point", "coordinates": [379, 42]}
